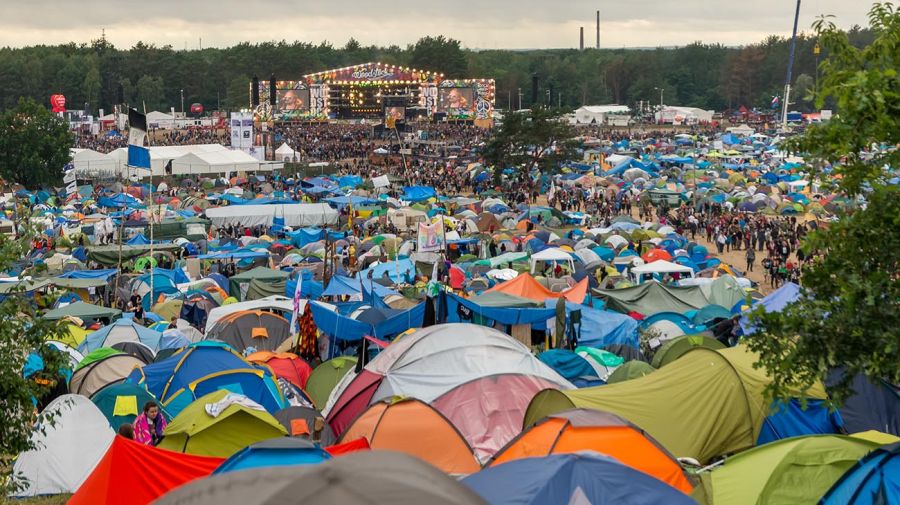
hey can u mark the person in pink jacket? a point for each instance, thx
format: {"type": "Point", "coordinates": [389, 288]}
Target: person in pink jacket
{"type": "Point", "coordinates": [150, 425]}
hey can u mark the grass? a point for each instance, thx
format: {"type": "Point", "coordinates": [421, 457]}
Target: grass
{"type": "Point", "coordinates": [58, 499]}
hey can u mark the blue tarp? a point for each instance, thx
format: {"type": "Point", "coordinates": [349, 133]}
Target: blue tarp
{"type": "Point", "coordinates": [418, 193]}
{"type": "Point", "coordinates": [348, 286]}
{"type": "Point", "coordinates": [403, 270]}
{"type": "Point", "coordinates": [306, 236]}
{"type": "Point", "coordinates": [311, 289]}
{"type": "Point", "coordinates": [585, 477]}
{"type": "Point", "coordinates": [568, 364]}
{"type": "Point", "coordinates": [601, 328]}
{"type": "Point", "coordinates": [344, 201]}
{"type": "Point", "coordinates": [791, 420]}
{"type": "Point", "coordinates": [104, 274]}
{"type": "Point", "coordinates": [775, 301]}
{"type": "Point", "coordinates": [502, 315]}
{"type": "Point", "coordinates": [343, 328]}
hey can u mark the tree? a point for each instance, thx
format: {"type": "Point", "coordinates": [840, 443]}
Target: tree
{"type": "Point", "coordinates": [150, 93]}
{"type": "Point", "coordinates": [803, 90]}
{"type": "Point", "coordinates": [90, 88]}
{"type": "Point", "coordinates": [527, 140]}
{"type": "Point", "coordinates": [440, 54]}
{"type": "Point", "coordinates": [34, 145]}
{"type": "Point", "coordinates": [21, 333]}
{"type": "Point", "coordinates": [849, 313]}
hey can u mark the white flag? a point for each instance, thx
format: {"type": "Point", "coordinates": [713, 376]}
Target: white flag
{"type": "Point", "coordinates": [295, 315]}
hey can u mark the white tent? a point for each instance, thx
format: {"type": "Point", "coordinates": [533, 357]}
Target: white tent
{"type": "Point", "coordinates": [225, 161]}
{"type": "Point", "coordinates": [597, 114]}
{"type": "Point", "coordinates": [161, 120]}
{"type": "Point", "coordinates": [285, 153]}
{"type": "Point", "coordinates": [68, 449]}
{"type": "Point", "coordinates": [298, 214]}
{"type": "Point", "coordinates": [683, 115]}
{"type": "Point", "coordinates": [660, 267]}
{"type": "Point", "coordinates": [280, 303]}
{"type": "Point", "coordinates": [160, 156]}
{"type": "Point", "coordinates": [90, 163]}
{"type": "Point", "coordinates": [742, 130]}
{"type": "Point", "coordinates": [552, 255]}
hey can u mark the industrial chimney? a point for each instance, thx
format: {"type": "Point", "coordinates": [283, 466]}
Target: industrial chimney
{"type": "Point", "coordinates": [598, 29]}
{"type": "Point", "coordinates": [581, 40]}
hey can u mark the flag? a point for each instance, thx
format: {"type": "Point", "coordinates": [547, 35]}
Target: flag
{"type": "Point", "coordinates": [138, 155]}
{"type": "Point", "coordinates": [295, 315]}
{"type": "Point", "coordinates": [775, 101]}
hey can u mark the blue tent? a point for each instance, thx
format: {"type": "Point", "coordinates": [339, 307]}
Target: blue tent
{"type": "Point", "coordinates": [345, 328]}
{"type": "Point", "coordinates": [600, 328]}
{"type": "Point", "coordinates": [282, 451]}
{"type": "Point", "coordinates": [874, 480]}
{"type": "Point", "coordinates": [775, 301]}
{"type": "Point", "coordinates": [418, 193]}
{"type": "Point", "coordinates": [403, 270]}
{"type": "Point", "coordinates": [348, 286]}
{"type": "Point", "coordinates": [571, 478]}
{"type": "Point", "coordinates": [123, 330]}
{"type": "Point", "coordinates": [874, 404]}
{"type": "Point", "coordinates": [138, 239]}
{"type": "Point", "coordinates": [202, 368]}
{"type": "Point", "coordinates": [793, 419]}
{"type": "Point", "coordinates": [568, 364]}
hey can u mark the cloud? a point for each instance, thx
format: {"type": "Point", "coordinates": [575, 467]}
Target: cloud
{"type": "Point", "coordinates": [477, 23]}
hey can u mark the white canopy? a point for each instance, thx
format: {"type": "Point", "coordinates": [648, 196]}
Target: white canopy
{"type": "Point", "coordinates": [552, 255]}
{"type": "Point", "coordinates": [285, 153]}
{"type": "Point", "coordinates": [298, 214]}
{"type": "Point", "coordinates": [68, 449]}
{"type": "Point", "coordinates": [660, 267]}
{"type": "Point", "coordinates": [226, 161]}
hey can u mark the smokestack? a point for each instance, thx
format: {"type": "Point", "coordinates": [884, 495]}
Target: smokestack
{"type": "Point", "coordinates": [581, 40]}
{"type": "Point", "coordinates": [598, 29]}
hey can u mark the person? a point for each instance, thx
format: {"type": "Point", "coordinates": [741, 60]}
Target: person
{"type": "Point", "coordinates": [126, 430]}
{"type": "Point", "coordinates": [751, 257]}
{"type": "Point", "coordinates": [150, 425]}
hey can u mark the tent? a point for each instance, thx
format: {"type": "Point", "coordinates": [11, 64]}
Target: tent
{"type": "Point", "coordinates": [238, 423]}
{"type": "Point", "coordinates": [629, 370]}
{"type": "Point", "coordinates": [361, 478]}
{"type": "Point", "coordinates": [794, 470]}
{"type": "Point", "coordinates": [301, 422]}
{"type": "Point", "coordinates": [429, 362]}
{"type": "Point", "coordinates": [121, 402]}
{"type": "Point", "coordinates": [592, 430]}
{"type": "Point", "coordinates": [274, 452]}
{"type": "Point", "coordinates": [415, 428]}
{"type": "Point", "coordinates": [297, 215]}
{"type": "Point", "coordinates": [237, 284]}
{"type": "Point", "coordinates": [552, 256]}
{"type": "Point", "coordinates": [875, 479]}
{"type": "Point", "coordinates": [714, 403]}
{"type": "Point", "coordinates": [202, 368]}
{"type": "Point", "coordinates": [488, 411]}
{"type": "Point", "coordinates": [285, 365]}
{"type": "Point", "coordinates": [263, 331]}
{"type": "Point", "coordinates": [123, 330]}
{"type": "Point", "coordinates": [83, 311]}
{"type": "Point", "coordinates": [278, 304]}
{"type": "Point", "coordinates": [874, 404]}
{"type": "Point", "coordinates": [67, 449]}
{"type": "Point", "coordinates": [582, 478]}
{"type": "Point", "coordinates": [652, 297]}
{"type": "Point", "coordinates": [659, 268]}
{"type": "Point", "coordinates": [101, 367]}
{"type": "Point", "coordinates": [326, 376]}
{"type": "Point", "coordinates": [679, 346]}
{"type": "Point", "coordinates": [526, 286]}
{"type": "Point", "coordinates": [123, 472]}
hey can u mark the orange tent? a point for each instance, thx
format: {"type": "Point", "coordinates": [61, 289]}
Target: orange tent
{"type": "Point", "coordinates": [414, 427]}
{"type": "Point", "coordinates": [593, 430]}
{"type": "Point", "coordinates": [526, 286]}
{"type": "Point", "coordinates": [656, 255]}
{"type": "Point", "coordinates": [286, 365]}
{"type": "Point", "coordinates": [137, 474]}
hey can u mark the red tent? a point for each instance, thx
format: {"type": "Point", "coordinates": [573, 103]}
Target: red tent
{"type": "Point", "coordinates": [137, 474]}
{"type": "Point", "coordinates": [286, 365]}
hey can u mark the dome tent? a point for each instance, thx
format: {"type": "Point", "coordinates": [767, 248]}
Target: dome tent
{"type": "Point", "coordinates": [100, 368]}
{"type": "Point", "coordinates": [429, 362]}
{"type": "Point", "coordinates": [122, 402]}
{"type": "Point", "coordinates": [875, 477]}
{"type": "Point", "coordinates": [68, 448]}
{"type": "Point", "coordinates": [123, 330]}
{"type": "Point", "coordinates": [326, 376]}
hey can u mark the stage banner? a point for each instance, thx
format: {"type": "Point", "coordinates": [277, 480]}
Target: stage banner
{"type": "Point", "coordinates": [428, 98]}
{"type": "Point", "coordinates": [318, 100]}
{"type": "Point", "coordinates": [431, 237]}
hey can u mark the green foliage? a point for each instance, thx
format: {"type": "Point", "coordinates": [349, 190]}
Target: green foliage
{"type": "Point", "coordinates": [439, 54]}
{"type": "Point", "coordinates": [865, 88]}
{"type": "Point", "coordinates": [540, 139]}
{"type": "Point", "coordinates": [22, 332]}
{"type": "Point", "coordinates": [34, 145]}
{"type": "Point", "coordinates": [849, 315]}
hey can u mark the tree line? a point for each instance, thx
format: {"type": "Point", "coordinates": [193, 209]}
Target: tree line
{"type": "Point", "coordinates": [710, 76]}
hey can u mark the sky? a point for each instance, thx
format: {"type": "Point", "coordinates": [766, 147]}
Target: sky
{"type": "Point", "coordinates": [478, 24]}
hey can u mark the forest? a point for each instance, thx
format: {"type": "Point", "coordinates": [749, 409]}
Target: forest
{"type": "Point", "coordinates": [98, 75]}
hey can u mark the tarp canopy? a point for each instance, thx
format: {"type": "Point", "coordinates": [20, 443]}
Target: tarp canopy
{"type": "Point", "coordinates": [526, 286]}
{"type": "Point", "coordinates": [652, 297]}
{"type": "Point", "coordinates": [294, 215]}
{"type": "Point", "coordinates": [263, 274]}
{"type": "Point", "coordinates": [83, 311]}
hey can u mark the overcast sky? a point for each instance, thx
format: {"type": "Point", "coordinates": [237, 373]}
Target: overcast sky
{"type": "Point", "coordinates": [477, 23]}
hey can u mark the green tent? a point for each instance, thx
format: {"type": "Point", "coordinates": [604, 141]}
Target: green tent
{"type": "Point", "coordinates": [326, 376]}
{"type": "Point", "coordinates": [714, 402]}
{"type": "Point", "coordinates": [108, 255]}
{"type": "Point", "coordinates": [679, 346]}
{"type": "Point", "coordinates": [83, 311]}
{"type": "Point", "coordinates": [262, 288]}
{"type": "Point", "coordinates": [652, 297]}
{"type": "Point", "coordinates": [263, 274]}
{"type": "Point", "coordinates": [793, 470]}
{"type": "Point", "coordinates": [502, 259]}
{"type": "Point", "coordinates": [194, 431]}
{"type": "Point", "coordinates": [97, 355]}
{"type": "Point", "coordinates": [629, 370]}
{"type": "Point", "coordinates": [499, 299]}
{"type": "Point", "coordinates": [121, 402]}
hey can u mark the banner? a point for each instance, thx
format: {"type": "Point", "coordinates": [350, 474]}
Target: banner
{"type": "Point", "coordinates": [241, 130]}
{"type": "Point", "coordinates": [381, 181]}
{"type": "Point", "coordinates": [318, 100]}
{"type": "Point", "coordinates": [431, 237]}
